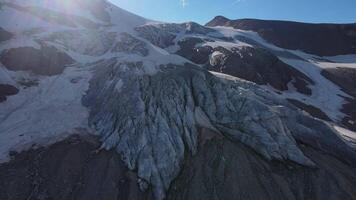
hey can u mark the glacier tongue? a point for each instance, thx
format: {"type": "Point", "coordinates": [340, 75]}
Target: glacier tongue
{"type": "Point", "coordinates": [154, 120]}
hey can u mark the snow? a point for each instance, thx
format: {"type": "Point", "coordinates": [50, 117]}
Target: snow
{"type": "Point", "coordinates": [227, 45]}
{"type": "Point", "coordinates": [325, 94]}
{"type": "Point", "coordinates": [343, 58]}
{"type": "Point", "coordinates": [67, 7]}
{"type": "Point", "coordinates": [15, 21]}
{"type": "Point", "coordinates": [348, 135]}
{"type": "Point", "coordinates": [45, 113]}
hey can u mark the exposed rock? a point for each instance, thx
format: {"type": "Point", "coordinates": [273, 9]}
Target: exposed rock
{"type": "Point", "coordinates": [312, 110]}
{"type": "Point", "coordinates": [194, 28]}
{"type": "Point", "coordinates": [189, 50]}
{"type": "Point", "coordinates": [131, 45]}
{"type": "Point", "coordinates": [317, 39]}
{"type": "Point", "coordinates": [349, 109]}
{"type": "Point", "coordinates": [278, 53]}
{"type": "Point", "coordinates": [230, 171]}
{"type": "Point", "coordinates": [156, 36]}
{"type": "Point", "coordinates": [7, 90]}
{"type": "Point", "coordinates": [259, 66]}
{"type": "Point", "coordinates": [343, 77]}
{"type": "Point", "coordinates": [72, 169]}
{"type": "Point", "coordinates": [76, 169]}
{"type": "Point", "coordinates": [4, 35]}
{"type": "Point", "coordinates": [45, 61]}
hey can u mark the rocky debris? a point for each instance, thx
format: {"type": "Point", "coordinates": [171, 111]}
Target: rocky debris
{"type": "Point", "coordinates": [131, 45]}
{"type": "Point", "coordinates": [4, 35]}
{"type": "Point", "coordinates": [278, 53]}
{"type": "Point", "coordinates": [259, 66]}
{"type": "Point", "coordinates": [317, 39]}
{"type": "Point", "coordinates": [312, 110]}
{"type": "Point", "coordinates": [349, 108]}
{"type": "Point", "coordinates": [222, 169]}
{"type": "Point", "coordinates": [255, 64]}
{"type": "Point", "coordinates": [194, 28]}
{"type": "Point", "coordinates": [345, 78]}
{"type": "Point", "coordinates": [45, 61]}
{"type": "Point", "coordinates": [7, 90]}
{"type": "Point", "coordinates": [71, 169]}
{"type": "Point", "coordinates": [153, 120]}
{"type": "Point", "coordinates": [156, 36]}
{"type": "Point", "coordinates": [197, 54]}
{"type": "Point", "coordinates": [226, 170]}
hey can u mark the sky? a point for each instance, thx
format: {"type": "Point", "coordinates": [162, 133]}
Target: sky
{"type": "Point", "coordinates": [202, 11]}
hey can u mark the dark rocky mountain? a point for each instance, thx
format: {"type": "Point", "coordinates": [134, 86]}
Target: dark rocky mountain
{"type": "Point", "coordinates": [98, 103]}
{"type": "Point", "coordinates": [318, 39]}
{"type": "Point", "coordinates": [4, 35]}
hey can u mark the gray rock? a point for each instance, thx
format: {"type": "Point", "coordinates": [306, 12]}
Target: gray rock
{"type": "Point", "coordinates": [131, 45]}
{"type": "Point", "coordinates": [45, 61]}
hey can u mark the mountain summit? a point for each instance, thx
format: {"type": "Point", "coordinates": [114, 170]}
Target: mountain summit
{"type": "Point", "coordinates": [99, 103]}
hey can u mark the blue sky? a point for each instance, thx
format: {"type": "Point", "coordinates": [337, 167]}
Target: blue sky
{"type": "Point", "coordinates": [201, 11]}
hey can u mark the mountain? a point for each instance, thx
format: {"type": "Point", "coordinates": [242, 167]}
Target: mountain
{"type": "Point", "coordinates": [99, 103]}
{"type": "Point", "coordinates": [317, 39]}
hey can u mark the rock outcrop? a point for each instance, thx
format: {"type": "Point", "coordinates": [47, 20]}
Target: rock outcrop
{"type": "Point", "coordinates": [7, 90]}
{"type": "Point", "coordinates": [45, 61]}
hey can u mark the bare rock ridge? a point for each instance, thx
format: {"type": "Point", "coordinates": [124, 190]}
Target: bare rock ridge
{"type": "Point", "coordinates": [318, 39]}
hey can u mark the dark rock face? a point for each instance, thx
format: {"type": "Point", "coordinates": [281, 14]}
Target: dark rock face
{"type": "Point", "coordinates": [313, 111]}
{"type": "Point", "coordinates": [156, 36]}
{"type": "Point", "coordinates": [131, 45]}
{"type": "Point", "coordinates": [222, 169]}
{"type": "Point", "coordinates": [45, 61]}
{"type": "Point", "coordinates": [7, 90]}
{"type": "Point", "coordinates": [188, 49]}
{"type": "Point", "coordinates": [345, 78]}
{"type": "Point", "coordinates": [4, 35]}
{"type": "Point", "coordinates": [259, 66]}
{"type": "Point", "coordinates": [226, 170]}
{"type": "Point", "coordinates": [318, 39]}
{"type": "Point", "coordinates": [71, 169]}
{"type": "Point", "coordinates": [349, 109]}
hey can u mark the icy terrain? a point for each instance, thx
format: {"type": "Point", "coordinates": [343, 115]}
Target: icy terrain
{"type": "Point", "coordinates": [127, 84]}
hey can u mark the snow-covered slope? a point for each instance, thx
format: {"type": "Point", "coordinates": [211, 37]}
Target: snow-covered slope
{"type": "Point", "coordinates": [144, 88]}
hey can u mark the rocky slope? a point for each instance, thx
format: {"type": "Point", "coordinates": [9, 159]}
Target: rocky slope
{"type": "Point", "coordinates": [169, 105]}
{"type": "Point", "coordinates": [318, 39]}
